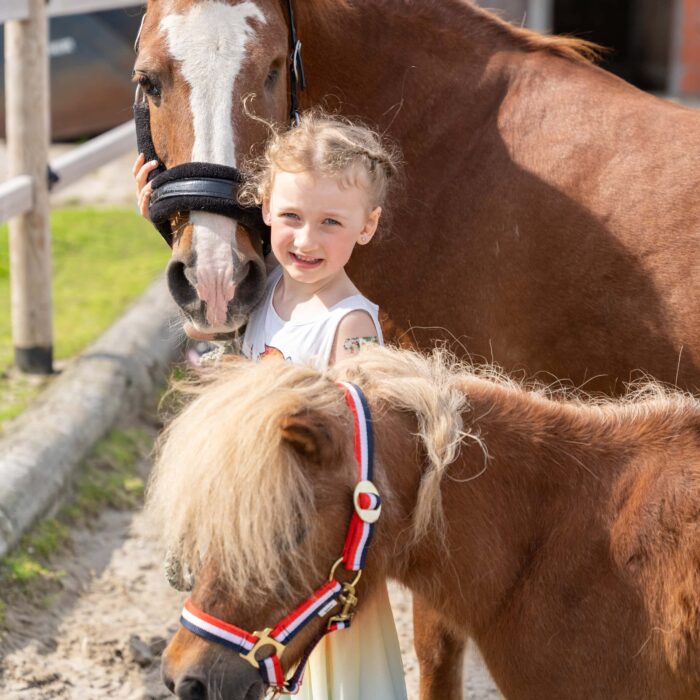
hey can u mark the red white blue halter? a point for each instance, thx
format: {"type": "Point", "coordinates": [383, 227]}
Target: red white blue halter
{"type": "Point", "coordinates": [326, 598]}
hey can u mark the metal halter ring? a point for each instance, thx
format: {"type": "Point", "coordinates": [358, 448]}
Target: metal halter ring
{"type": "Point", "coordinates": [335, 566]}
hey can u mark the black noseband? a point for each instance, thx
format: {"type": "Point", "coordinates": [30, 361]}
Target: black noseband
{"type": "Point", "coordinates": [202, 187]}
{"type": "Point", "coordinates": [193, 187]}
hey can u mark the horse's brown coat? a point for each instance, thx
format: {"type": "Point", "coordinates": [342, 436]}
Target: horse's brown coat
{"type": "Point", "coordinates": [572, 559]}
{"type": "Point", "coordinates": [549, 219]}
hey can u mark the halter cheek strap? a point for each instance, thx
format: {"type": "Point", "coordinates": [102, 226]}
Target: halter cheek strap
{"type": "Point", "coordinates": [326, 598]}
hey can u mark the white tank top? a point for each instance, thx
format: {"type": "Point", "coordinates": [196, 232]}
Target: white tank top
{"type": "Point", "coordinates": [299, 341]}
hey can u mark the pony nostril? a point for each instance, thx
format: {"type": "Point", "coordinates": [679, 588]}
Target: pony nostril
{"type": "Point", "coordinates": [190, 688]}
{"type": "Point", "coordinates": [178, 284]}
{"type": "Point", "coordinates": [167, 680]}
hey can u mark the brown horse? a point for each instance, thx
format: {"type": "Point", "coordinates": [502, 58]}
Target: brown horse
{"type": "Point", "coordinates": [563, 536]}
{"type": "Point", "coordinates": [549, 219]}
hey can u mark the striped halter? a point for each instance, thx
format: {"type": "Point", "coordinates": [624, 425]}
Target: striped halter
{"type": "Point", "coordinates": [326, 598]}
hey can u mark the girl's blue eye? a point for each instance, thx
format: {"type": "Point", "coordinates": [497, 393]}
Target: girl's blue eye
{"type": "Point", "coordinates": [289, 215]}
{"type": "Point", "coordinates": [331, 222]}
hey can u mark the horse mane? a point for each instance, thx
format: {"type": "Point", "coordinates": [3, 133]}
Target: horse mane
{"type": "Point", "coordinates": [569, 47]}
{"type": "Point", "coordinates": [205, 491]}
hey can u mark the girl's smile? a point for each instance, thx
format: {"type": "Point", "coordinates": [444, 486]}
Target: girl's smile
{"type": "Point", "coordinates": [303, 261]}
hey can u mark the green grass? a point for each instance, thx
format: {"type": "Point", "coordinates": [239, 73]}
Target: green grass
{"type": "Point", "coordinates": [109, 477]}
{"type": "Point", "coordinates": [102, 260]}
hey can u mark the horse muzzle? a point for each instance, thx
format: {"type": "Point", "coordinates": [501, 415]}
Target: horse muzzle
{"type": "Point", "coordinates": [216, 303]}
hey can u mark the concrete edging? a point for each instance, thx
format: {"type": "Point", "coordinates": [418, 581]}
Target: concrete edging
{"type": "Point", "coordinates": [50, 439]}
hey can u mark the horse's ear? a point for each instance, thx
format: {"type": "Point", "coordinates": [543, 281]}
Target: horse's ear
{"type": "Point", "coordinates": [306, 434]}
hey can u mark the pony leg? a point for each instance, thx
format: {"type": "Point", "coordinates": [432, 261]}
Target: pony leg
{"type": "Point", "coordinates": [440, 654]}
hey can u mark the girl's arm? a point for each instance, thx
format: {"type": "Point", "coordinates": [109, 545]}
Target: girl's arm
{"type": "Point", "coordinates": [354, 330]}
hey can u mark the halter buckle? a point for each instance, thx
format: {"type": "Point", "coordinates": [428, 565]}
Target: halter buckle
{"type": "Point", "coordinates": [367, 515]}
{"type": "Point", "coordinates": [264, 640]}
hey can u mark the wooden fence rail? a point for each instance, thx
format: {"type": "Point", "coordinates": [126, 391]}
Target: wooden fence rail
{"type": "Point", "coordinates": [19, 9]}
{"type": "Point", "coordinates": [24, 198]}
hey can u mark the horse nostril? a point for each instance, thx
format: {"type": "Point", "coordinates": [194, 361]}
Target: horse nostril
{"type": "Point", "coordinates": [190, 688]}
{"type": "Point", "coordinates": [178, 284]}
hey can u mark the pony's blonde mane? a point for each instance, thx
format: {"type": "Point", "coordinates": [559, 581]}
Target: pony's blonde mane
{"type": "Point", "coordinates": [424, 385]}
{"type": "Point", "coordinates": [242, 502]}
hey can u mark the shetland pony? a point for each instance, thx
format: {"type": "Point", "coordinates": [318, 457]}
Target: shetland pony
{"type": "Point", "coordinates": [562, 535]}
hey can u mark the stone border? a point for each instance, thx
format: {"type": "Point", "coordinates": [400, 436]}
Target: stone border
{"type": "Point", "coordinates": [114, 375]}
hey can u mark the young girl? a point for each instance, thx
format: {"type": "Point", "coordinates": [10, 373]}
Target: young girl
{"type": "Point", "coordinates": [321, 186]}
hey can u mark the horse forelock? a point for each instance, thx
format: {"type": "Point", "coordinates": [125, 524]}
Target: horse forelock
{"type": "Point", "coordinates": [209, 42]}
{"type": "Point", "coordinates": [227, 491]}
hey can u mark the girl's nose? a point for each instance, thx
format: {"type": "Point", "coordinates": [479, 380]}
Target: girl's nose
{"type": "Point", "coordinates": [304, 237]}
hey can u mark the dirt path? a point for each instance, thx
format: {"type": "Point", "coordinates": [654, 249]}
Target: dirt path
{"type": "Point", "coordinates": [101, 633]}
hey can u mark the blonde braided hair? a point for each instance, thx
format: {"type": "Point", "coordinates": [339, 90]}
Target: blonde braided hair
{"type": "Point", "coordinates": [325, 145]}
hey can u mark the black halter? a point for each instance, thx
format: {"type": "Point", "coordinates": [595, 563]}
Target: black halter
{"type": "Point", "coordinates": [206, 187]}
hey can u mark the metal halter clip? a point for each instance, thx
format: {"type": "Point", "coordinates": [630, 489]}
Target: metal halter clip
{"type": "Point", "coordinates": [298, 66]}
{"type": "Point", "coordinates": [264, 640]}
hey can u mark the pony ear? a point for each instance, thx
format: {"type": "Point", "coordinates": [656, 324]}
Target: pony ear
{"type": "Point", "coordinates": [306, 434]}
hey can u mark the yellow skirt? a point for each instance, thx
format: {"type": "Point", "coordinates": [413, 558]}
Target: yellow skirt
{"type": "Point", "coordinates": [359, 663]}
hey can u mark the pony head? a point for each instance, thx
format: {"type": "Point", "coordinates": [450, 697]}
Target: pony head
{"type": "Point", "coordinates": [253, 492]}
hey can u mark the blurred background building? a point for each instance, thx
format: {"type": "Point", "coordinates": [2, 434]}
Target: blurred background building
{"type": "Point", "coordinates": [655, 44]}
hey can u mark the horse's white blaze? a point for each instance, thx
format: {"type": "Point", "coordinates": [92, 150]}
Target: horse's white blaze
{"type": "Point", "coordinates": [209, 42]}
{"type": "Point", "coordinates": [214, 242]}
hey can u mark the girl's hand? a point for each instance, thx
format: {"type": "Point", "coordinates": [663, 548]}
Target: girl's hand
{"type": "Point", "coordinates": [140, 172]}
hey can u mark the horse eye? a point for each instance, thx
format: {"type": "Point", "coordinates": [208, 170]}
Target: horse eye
{"type": "Point", "coordinates": [149, 86]}
{"type": "Point", "coordinates": [271, 78]}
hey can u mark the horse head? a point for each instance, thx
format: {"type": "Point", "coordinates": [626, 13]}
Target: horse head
{"type": "Point", "coordinates": [195, 61]}
{"type": "Point", "coordinates": [261, 514]}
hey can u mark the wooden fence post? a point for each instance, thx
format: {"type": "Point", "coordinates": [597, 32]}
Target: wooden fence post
{"type": "Point", "coordinates": [27, 110]}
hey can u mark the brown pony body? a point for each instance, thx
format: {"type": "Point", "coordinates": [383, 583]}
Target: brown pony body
{"type": "Point", "coordinates": [561, 535]}
{"type": "Point", "coordinates": [549, 219]}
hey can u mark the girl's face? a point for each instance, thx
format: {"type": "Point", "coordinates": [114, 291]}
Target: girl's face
{"type": "Point", "coordinates": [316, 222]}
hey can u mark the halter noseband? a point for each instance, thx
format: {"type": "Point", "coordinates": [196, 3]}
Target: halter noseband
{"type": "Point", "coordinates": [206, 187]}
{"type": "Point", "coordinates": [326, 598]}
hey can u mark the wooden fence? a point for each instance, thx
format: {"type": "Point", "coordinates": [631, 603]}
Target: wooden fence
{"type": "Point", "coordinates": [24, 197]}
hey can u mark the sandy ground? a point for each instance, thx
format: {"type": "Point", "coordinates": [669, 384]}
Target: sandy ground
{"type": "Point", "coordinates": [101, 633]}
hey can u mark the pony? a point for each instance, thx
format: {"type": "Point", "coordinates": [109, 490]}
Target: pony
{"type": "Point", "coordinates": [561, 534]}
{"type": "Point", "coordinates": [549, 210]}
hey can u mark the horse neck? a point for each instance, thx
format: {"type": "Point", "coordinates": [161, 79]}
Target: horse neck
{"type": "Point", "coordinates": [546, 462]}
{"type": "Point", "coordinates": [394, 61]}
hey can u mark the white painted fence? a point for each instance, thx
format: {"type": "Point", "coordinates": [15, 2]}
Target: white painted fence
{"type": "Point", "coordinates": [24, 197]}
